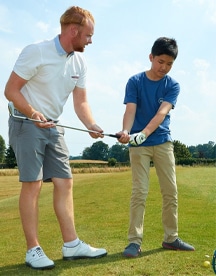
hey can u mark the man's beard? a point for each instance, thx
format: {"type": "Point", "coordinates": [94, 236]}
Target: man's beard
{"type": "Point", "coordinates": [79, 49]}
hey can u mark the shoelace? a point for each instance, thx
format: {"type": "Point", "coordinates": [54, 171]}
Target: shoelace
{"type": "Point", "coordinates": [134, 245]}
{"type": "Point", "coordinates": [39, 252]}
{"type": "Point", "coordinates": [180, 242]}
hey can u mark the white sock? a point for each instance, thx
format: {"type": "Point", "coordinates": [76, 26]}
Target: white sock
{"type": "Point", "coordinates": [72, 243]}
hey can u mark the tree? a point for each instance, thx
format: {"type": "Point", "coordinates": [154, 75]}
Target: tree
{"type": "Point", "coordinates": [181, 151]}
{"type": "Point", "coordinates": [112, 162]}
{"type": "Point", "coordinates": [10, 158]}
{"type": "Point", "coordinates": [206, 151]}
{"type": "Point", "coordinates": [214, 152]}
{"type": "Point", "coordinates": [98, 151]}
{"type": "Point", "coordinates": [2, 149]}
{"type": "Point", "coordinates": [119, 152]}
{"type": "Point", "coordinates": [193, 151]}
{"type": "Point", "coordinates": [86, 154]}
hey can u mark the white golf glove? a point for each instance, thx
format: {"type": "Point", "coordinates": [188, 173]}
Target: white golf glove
{"type": "Point", "coordinates": [137, 139]}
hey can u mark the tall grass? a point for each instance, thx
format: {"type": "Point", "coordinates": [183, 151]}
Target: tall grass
{"type": "Point", "coordinates": [101, 215]}
{"type": "Point", "coordinates": [88, 169]}
{"type": "Point", "coordinates": [8, 172]}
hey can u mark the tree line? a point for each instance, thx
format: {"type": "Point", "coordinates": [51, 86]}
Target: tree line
{"type": "Point", "coordinates": [184, 155]}
{"type": "Point", "coordinates": [119, 153]}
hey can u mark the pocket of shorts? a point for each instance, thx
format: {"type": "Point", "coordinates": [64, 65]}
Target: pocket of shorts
{"type": "Point", "coordinates": [60, 130]}
{"type": "Point", "coordinates": [15, 127]}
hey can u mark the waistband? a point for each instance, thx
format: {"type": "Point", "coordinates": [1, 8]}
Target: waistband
{"type": "Point", "coordinates": [18, 113]}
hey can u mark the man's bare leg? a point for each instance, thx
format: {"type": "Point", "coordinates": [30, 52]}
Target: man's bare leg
{"type": "Point", "coordinates": [63, 206]}
{"type": "Point", "coordinates": [28, 206]}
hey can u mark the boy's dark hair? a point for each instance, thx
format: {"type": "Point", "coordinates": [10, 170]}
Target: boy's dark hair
{"type": "Point", "coordinates": [165, 46]}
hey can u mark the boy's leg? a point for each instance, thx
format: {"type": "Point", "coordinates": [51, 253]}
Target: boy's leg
{"type": "Point", "coordinates": [164, 162]}
{"type": "Point", "coordinates": [140, 164]}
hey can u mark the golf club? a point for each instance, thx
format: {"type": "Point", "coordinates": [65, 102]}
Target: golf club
{"type": "Point", "coordinates": [12, 113]}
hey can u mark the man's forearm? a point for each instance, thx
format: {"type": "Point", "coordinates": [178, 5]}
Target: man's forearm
{"type": "Point", "coordinates": [85, 115]}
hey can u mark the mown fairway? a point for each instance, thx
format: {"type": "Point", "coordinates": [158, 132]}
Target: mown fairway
{"type": "Point", "coordinates": [101, 216]}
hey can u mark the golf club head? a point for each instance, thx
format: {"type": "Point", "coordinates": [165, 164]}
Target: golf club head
{"type": "Point", "coordinates": [11, 108]}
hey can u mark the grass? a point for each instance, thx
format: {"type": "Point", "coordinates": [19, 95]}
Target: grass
{"type": "Point", "coordinates": [101, 214]}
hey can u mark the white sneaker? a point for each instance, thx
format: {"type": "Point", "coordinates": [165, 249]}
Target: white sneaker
{"type": "Point", "coordinates": [82, 251]}
{"type": "Point", "coordinates": [36, 258]}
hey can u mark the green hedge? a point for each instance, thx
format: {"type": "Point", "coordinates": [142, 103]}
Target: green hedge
{"type": "Point", "coordinates": [195, 161]}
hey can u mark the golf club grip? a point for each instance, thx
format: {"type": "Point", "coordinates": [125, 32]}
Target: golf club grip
{"type": "Point", "coordinates": [114, 135]}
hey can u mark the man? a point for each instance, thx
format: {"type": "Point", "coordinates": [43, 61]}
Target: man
{"type": "Point", "coordinates": [149, 98]}
{"type": "Point", "coordinates": [42, 79]}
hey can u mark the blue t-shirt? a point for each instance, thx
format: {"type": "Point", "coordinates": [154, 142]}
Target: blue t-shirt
{"type": "Point", "coordinates": [148, 96]}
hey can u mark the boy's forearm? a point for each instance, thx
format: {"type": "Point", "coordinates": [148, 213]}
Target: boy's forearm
{"type": "Point", "coordinates": [157, 119]}
{"type": "Point", "coordinates": [153, 124]}
{"type": "Point", "coordinates": [129, 115]}
{"type": "Point", "coordinates": [128, 120]}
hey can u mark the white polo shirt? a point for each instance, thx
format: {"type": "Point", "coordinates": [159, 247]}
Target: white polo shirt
{"type": "Point", "coordinates": [52, 75]}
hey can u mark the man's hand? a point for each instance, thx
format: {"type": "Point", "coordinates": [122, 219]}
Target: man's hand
{"type": "Point", "coordinates": [98, 129]}
{"type": "Point", "coordinates": [137, 138]}
{"type": "Point", "coordinates": [39, 116]}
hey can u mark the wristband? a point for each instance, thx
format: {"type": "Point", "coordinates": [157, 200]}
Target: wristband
{"type": "Point", "coordinates": [33, 114]}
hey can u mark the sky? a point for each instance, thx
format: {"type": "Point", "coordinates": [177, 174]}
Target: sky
{"type": "Point", "coordinates": [124, 34]}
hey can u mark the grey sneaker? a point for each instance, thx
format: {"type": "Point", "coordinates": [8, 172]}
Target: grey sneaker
{"type": "Point", "coordinates": [36, 258]}
{"type": "Point", "coordinates": [132, 250]}
{"type": "Point", "coordinates": [178, 244]}
{"type": "Point", "coordinates": [82, 251]}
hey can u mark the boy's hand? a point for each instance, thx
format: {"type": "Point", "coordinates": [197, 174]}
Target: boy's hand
{"type": "Point", "coordinates": [137, 138]}
{"type": "Point", "coordinates": [124, 136]}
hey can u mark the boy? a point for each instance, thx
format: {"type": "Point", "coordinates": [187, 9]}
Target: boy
{"type": "Point", "coordinates": [149, 97]}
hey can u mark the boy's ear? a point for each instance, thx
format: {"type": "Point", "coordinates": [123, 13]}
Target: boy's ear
{"type": "Point", "coordinates": [151, 57]}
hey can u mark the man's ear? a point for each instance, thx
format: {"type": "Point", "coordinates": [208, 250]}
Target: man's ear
{"type": "Point", "coordinates": [74, 30]}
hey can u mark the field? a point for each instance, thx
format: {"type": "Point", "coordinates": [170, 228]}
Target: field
{"type": "Point", "coordinates": [101, 216]}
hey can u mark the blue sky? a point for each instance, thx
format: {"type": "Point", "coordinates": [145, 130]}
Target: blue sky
{"type": "Point", "coordinates": [124, 34]}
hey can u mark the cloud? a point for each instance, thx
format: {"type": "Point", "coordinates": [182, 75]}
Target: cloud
{"type": "Point", "coordinates": [207, 84]}
{"type": "Point", "coordinates": [44, 27]}
{"type": "Point", "coordinates": [210, 11]}
{"type": "Point", "coordinates": [191, 126]}
{"type": "Point", "coordinates": [5, 30]}
{"type": "Point", "coordinates": [205, 10]}
{"type": "Point", "coordinates": [201, 63]}
{"type": "Point", "coordinates": [5, 25]}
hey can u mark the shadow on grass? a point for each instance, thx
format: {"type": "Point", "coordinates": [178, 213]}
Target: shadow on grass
{"type": "Point", "coordinates": [60, 265]}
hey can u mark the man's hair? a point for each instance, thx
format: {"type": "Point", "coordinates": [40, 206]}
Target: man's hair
{"type": "Point", "coordinates": [165, 46]}
{"type": "Point", "coordinates": [75, 15]}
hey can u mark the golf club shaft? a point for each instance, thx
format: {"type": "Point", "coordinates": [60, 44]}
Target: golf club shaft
{"type": "Point", "coordinates": [86, 130]}
{"type": "Point", "coordinates": [11, 111]}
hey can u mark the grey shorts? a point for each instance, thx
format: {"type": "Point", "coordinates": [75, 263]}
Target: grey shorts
{"type": "Point", "coordinates": [41, 154]}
